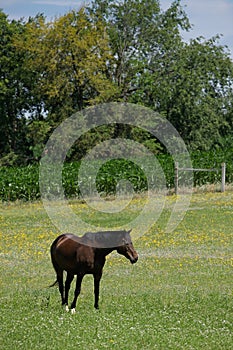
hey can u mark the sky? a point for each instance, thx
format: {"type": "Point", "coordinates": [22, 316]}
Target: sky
{"type": "Point", "coordinates": [208, 17]}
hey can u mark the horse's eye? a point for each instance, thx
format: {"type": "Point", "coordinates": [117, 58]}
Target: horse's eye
{"type": "Point", "coordinates": [125, 242]}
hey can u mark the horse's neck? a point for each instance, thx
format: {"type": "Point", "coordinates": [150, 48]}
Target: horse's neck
{"type": "Point", "coordinates": [105, 251]}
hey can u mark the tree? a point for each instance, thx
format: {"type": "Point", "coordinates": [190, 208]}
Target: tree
{"type": "Point", "coordinates": [128, 50]}
{"type": "Point", "coordinates": [193, 92]}
{"type": "Point", "coordinates": [71, 54]}
{"type": "Point", "coordinates": [67, 61]}
{"type": "Point", "coordinates": [13, 94]}
{"type": "Point", "coordinates": [188, 83]}
{"type": "Point", "coordinates": [140, 35]}
{"type": "Point", "coordinates": [144, 42]}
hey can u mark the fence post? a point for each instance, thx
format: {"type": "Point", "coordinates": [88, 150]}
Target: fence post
{"type": "Point", "coordinates": [223, 177]}
{"type": "Point", "coordinates": [176, 178]}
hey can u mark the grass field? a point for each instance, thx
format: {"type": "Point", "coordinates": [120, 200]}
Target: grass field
{"type": "Point", "coordinates": [179, 295]}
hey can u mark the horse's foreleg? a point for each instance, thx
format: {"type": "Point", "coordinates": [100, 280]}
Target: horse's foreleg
{"type": "Point", "coordinates": [77, 292]}
{"type": "Point", "coordinates": [69, 279]}
{"type": "Point", "coordinates": [97, 278]}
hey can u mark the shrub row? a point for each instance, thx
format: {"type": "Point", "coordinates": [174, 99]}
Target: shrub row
{"type": "Point", "coordinates": [22, 183]}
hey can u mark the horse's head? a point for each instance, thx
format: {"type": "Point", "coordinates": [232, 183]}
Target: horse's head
{"type": "Point", "coordinates": [126, 248]}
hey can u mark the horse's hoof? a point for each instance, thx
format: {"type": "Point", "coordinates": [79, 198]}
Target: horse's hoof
{"type": "Point", "coordinates": [73, 311]}
{"type": "Point", "coordinates": [67, 308]}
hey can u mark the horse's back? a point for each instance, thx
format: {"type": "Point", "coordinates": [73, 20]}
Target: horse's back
{"type": "Point", "coordinates": [65, 244]}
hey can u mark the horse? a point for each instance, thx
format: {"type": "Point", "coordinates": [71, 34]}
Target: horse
{"type": "Point", "coordinates": [86, 255]}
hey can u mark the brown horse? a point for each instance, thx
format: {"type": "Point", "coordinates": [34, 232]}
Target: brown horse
{"type": "Point", "coordinates": [86, 255]}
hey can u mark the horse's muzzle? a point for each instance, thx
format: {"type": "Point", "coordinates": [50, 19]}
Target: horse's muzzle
{"type": "Point", "coordinates": [134, 260]}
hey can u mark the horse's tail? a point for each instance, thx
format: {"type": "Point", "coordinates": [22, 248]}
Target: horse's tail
{"type": "Point", "coordinates": [54, 284]}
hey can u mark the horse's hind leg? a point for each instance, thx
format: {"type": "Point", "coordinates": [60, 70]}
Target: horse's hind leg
{"type": "Point", "coordinates": [60, 285]}
{"type": "Point", "coordinates": [69, 279]}
{"type": "Point", "coordinates": [59, 273]}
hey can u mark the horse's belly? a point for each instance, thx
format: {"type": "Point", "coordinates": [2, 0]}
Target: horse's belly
{"type": "Point", "coordinates": [76, 268]}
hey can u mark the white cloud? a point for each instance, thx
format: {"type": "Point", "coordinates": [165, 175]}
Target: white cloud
{"type": "Point", "coordinates": [62, 3]}
{"type": "Point", "coordinates": [17, 9]}
{"type": "Point", "coordinates": [58, 2]}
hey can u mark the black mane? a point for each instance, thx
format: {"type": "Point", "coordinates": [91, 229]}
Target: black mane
{"type": "Point", "coordinates": [106, 239]}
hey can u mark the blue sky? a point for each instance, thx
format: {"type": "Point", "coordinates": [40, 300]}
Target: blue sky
{"type": "Point", "coordinates": [209, 17]}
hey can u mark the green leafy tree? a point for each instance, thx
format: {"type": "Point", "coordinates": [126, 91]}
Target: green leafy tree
{"type": "Point", "coordinates": [71, 54]}
{"type": "Point", "coordinates": [68, 60]}
{"type": "Point", "coordinates": [142, 39]}
{"type": "Point", "coordinates": [189, 83]}
{"type": "Point", "coordinates": [110, 51]}
{"type": "Point", "coordinates": [144, 42]}
{"type": "Point", "coordinates": [14, 95]}
{"type": "Point", "coordinates": [194, 91]}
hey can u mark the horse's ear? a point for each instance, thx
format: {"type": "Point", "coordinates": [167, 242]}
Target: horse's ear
{"type": "Point", "coordinates": [130, 230]}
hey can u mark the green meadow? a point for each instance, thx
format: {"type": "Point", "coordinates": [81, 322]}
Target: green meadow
{"type": "Point", "coordinates": [179, 295]}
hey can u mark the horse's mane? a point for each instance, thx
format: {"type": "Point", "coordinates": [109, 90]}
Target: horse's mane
{"type": "Point", "coordinates": [105, 238]}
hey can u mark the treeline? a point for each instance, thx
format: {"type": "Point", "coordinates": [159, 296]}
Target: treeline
{"type": "Point", "coordinates": [128, 51]}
